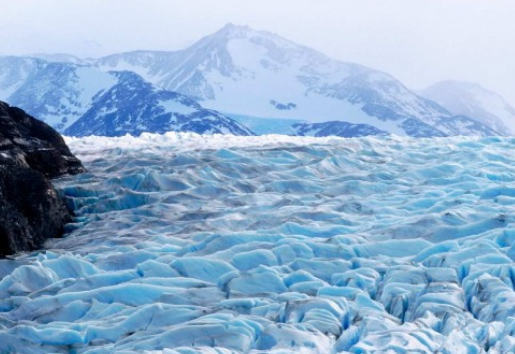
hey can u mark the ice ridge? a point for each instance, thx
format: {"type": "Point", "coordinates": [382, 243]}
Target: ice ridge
{"type": "Point", "coordinates": [194, 244]}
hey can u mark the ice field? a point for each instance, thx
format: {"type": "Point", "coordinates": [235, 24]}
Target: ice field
{"type": "Point", "coordinates": [215, 245]}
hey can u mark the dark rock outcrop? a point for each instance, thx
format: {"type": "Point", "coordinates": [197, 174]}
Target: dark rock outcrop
{"type": "Point", "coordinates": [31, 210]}
{"type": "Point", "coordinates": [26, 141]}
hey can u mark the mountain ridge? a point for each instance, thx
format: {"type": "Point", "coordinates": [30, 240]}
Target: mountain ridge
{"type": "Point", "coordinates": [239, 70]}
{"type": "Point", "coordinates": [244, 72]}
{"type": "Point", "coordinates": [133, 106]}
{"type": "Point", "coordinates": [65, 94]}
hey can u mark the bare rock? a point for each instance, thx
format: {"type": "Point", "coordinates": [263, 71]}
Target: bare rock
{"type": "Point", "coordinates": [31, 210]}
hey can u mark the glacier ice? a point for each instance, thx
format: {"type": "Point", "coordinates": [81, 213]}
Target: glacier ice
{"type": "Point", "coordinates": [193, 244]}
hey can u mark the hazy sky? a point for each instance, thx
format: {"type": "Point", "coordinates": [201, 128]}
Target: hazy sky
{"type": "Point", "coordinates": [418, 41]}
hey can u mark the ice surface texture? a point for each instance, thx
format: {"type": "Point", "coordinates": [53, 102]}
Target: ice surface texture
{"type": "Point", "coordinates": [190, 244]}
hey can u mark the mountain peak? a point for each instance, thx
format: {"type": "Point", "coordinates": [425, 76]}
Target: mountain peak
{"type": "Point", "coordinates": [232, 30]}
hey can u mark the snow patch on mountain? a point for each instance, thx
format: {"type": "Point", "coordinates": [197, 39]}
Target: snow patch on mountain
{"type": "Point", "coordinates": [91, 83]}
{"type": "Point", "coordinates": [14, 71]}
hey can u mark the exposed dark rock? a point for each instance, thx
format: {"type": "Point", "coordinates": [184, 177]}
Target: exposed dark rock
{"type": "Point", "coordinates": [31, 210]}
{"type": "Point", "coordinates": [26, 141]}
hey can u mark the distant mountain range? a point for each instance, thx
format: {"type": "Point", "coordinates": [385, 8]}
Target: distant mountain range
{"type": "Point", "coordinates": [241, 73]}
{"type": "Point", "coordinates": [473, 100]}
{"type": "Point", "coordinates": [83, 100]}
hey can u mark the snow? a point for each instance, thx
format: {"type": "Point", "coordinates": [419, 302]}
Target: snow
{"type": "Point", "coordinates": [122, 65]}
{"type": "Point", "coordinates": [253, 85]}
{"type": "Point", "coordinates": [14, 71]}
{"type": "Point", "coordinates": [176, 107]}
{"type": "Point", "coordinates": [256, 77]}
{"type": "Point", "coordinates": [6, 92]}
{"type": "Point", "coordinates": [57, 93]}
{"type": "Point", "coordinates": [240, 71]}
{"type": "Point", "coordinates": [274, 244]}
{"type": "Point", "coordinates": [77, 95]}
{"type": "Point", "coordinates": [475, 101]}
{"type": "Point", "coordinates": [92, 81]}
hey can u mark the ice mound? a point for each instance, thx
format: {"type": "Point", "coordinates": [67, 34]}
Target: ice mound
{"type": "Point", "coordinates": [216, 245]}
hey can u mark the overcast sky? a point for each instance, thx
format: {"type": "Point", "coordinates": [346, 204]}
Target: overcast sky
{"type": "Point", "coordinates": [417, 41]}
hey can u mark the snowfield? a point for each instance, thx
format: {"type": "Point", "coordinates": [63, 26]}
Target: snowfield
{"type": "Point", "coordinates": [194, 244]}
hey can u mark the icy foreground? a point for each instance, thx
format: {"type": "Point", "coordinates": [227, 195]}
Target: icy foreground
{"type": "Point", "coordinates": [189, 244]}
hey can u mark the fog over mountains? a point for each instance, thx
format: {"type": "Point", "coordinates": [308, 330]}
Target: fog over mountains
{"type": "Point", "coordinates": [473, 100]}
{"type": "Point", "coordinates": [235, 74]}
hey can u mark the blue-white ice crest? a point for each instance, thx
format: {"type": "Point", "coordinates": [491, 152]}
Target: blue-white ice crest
{"type": "Point", "coordinates": [193, 244]}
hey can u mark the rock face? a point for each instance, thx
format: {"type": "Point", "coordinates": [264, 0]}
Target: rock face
{"type": "Point", "coordinates": [31, 211]}
{"type": "Point", "coordinates": [26, 141]}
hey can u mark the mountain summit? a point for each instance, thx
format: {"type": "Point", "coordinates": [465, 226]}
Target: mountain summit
{"type": "Point", "coordinates": [249, 76]}
{"type": "Point", "coordinates": [244, 72]}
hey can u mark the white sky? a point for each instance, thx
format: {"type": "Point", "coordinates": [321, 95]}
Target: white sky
{"type": "Point", "coordinates": [417, 41]}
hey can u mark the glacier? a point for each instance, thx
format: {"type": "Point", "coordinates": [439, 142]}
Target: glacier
{"type": "Point", "coordinates": [184, 243]}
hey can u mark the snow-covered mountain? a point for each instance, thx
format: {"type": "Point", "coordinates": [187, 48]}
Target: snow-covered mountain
{"type": "Point", "coordinates": [14, 72]}
{"type": "Point", "coordinates": [134, 106]}
{"type": "Point", "coordinates": [84, 100]}
{"type": "Point", "coordinates": [240, 71]}
{"type": "Point", "coordinates": [57, 93]}
{"type": "Point", "coordinates": [473, 100]}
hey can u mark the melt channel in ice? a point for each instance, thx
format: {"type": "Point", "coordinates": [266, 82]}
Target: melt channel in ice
{"type": "Point", "coordinates": [194, 244]}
